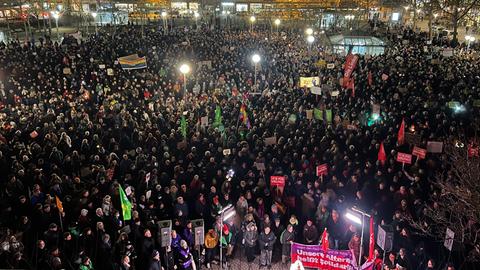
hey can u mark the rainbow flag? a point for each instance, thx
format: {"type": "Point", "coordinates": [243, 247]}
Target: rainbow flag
{"type": "Point", "coordinates": [244, 116]}
{"type": "Point", "coordinates": [133, 61]}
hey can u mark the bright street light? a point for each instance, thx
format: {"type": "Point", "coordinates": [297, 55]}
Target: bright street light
{"type": "Point", "coordinates": [184, 69]}
{"type": "Point", "coordinates": [56, 16]}
{"type": "Point", "coordinates": [435, 15]}
{"type": "Point", "coordinates": [196, 15]}
{"type": "Point", "coordinates": [277, 22]}
{"type": "Point", "coordinates": [164, 14]}
{"type": "Point", "coordinates": [94, 15]}
{"type": "Point", "coordinates": [256, 58]}
{"type": "Point", "coordinates": [253, 19]}
{"type": "Point", "coordinates": [309, 31]}
{"type": "Point", "coordinates": [469, 39]}
{"type": "Point", "coordinates": [310, 39]}
{"type": "Point", "coordinates": [356, 215]}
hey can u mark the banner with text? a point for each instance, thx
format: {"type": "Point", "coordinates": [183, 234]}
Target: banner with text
{"type": "Point", "coordinates": [313, 256]}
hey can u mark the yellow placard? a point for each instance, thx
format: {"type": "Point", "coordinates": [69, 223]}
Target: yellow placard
{"type": "Point", "coordinates": [309, 81]}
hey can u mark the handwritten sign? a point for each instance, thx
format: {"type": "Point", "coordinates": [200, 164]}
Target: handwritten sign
{"type": "Point", "coordinates": [420, 153]}
{"type": "Point", "coordinates": [277, 181]}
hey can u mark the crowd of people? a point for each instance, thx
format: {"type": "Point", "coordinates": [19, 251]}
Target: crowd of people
{"type": "Point", "coordinates": [76, 127]}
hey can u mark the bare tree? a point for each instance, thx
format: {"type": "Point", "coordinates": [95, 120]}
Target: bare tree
{"type": "Point", "coordinates": [455, 203]}
{"type": "Point", "coordinates": [456, 10]}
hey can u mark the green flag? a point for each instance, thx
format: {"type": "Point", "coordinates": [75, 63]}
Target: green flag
{"type": "Point", "coordinates": [183, 127]}
{"type": "Point", "coordinates": [126, 205]}
{"type": "Point", "coordinates": [318, 114]}
{"type": "Point", "coordinates": [218, 117]}
{"type": "Point", "coordinates": [329, 115]}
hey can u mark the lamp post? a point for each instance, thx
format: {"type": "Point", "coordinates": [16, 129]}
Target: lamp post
{"type": "Point", "coordinates": [94, 15]}
{"type": "Point", "coordinates": [357, 216]}
{"type": "Point", "coordinates": [56, 16]}
{"type": "Point", "coordinates": [252, 21]}
{"type": "Point", "coordinates": [310, 40]}
{"type": "Point", "coordinates": [196, 16]}
{"type": "Point", "coordinates": [226, 213]}
{"type": "Point", "coordinates": [277, 23]}
{"type": "Point", "coordinates": [309, 31]}
{"type": "Point", "coordinates": [469, 39]}
{"type": "Point", "coordinates": [184, 69]}
{"type": "Point", "coordinates": [164, 18]}
{"type": "Point", "coordinates": [255, 59]}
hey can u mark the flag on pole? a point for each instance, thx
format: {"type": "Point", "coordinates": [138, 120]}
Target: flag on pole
{"type": "Point", "coordinates": [371, 247]}
{"type": "Point", "coordinates": [218, 117]}
{"type": "Point", "coordinates": [401, 133]}
{"type": "Point", "coordinates": [382, 157]}
{"type": "Point", "coordinates": [183, 126]}
{"type": "Point", "coordinates": [59, 204]}
{"type": "Point", "coordinates": [329, 115]}
{"type": "Point", "coordinates": [126, 205]}
{"type": "Point", "coordinates": [244, 116]}
{"type": "Point", "coordinates": [325, 240]}
{"type": "Point", "coordinates": [351, 85]}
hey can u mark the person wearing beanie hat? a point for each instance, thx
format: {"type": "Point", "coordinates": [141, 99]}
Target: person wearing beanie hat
{"type": "Point", "coordinates": [225, 243]}
{"type": "Point", "coordinates": [211, 242]}
{"type": "Point", "coordinates": [155, 263]}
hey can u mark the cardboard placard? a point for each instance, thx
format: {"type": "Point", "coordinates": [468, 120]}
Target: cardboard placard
{"type": "Point", "coordinates": [260, 166]}
{"type": "Point", "coordinates": [271, 140]}
{"type": "Point", "coordinates": [420, 153]}
{"type": "Point", "coordinates": [204, 121]}
{"type": "Point", "coordinates": [109, 71]}
{"type": "Point", "coordinates": [322, 169]}
{"type": "Point", "coordinates": [227, 152]}
{"type": "Point", "coordinates": [67, 71]}
{"type": "Point", "coordinates": [316, 90]}
{"type": "Point", "coordinates": [434, 147]}
{"type": "Point", "coordinates": [404, 158]}
{"type": "Point", "coordinates": [412, 138]}
{"type": "Point", "coordinates": [277, 181]}
{"type": "Point", "coordinates": [309, 114]}
{"type": "Point", "coordinates": [102, 66]}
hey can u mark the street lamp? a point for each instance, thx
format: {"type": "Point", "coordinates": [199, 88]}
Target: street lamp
{"type": "Point", "coordinates": [94, 15]}
{"type": "Point", "coordinates": [56, 16]}
{"type": "Point", "coordinates": [277, 23]}
{"type": "Point", "coordinates": [196, 16]}
{"type": "Point", "coordinates": [184, 69]}
{"type": "Point", "coordinates": [255, 59]}
{"type": "Point", "coordinates": [226, 213]}
{"type": "Point", "coordinates": [357, 216]}
{"type": "Point", "coordinates": [309, 31]}
{"type": "Point", "coordinates": [310, 40]}
{"type": "Point", "coordinates": [252, 21]}
{"type": "Point", "coordinates": [469, 39]}
{"type": "Point", "coordinates": [164, 18]}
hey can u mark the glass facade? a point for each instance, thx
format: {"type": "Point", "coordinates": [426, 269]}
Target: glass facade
{"type": "Point", "coordinates": [361, 44]}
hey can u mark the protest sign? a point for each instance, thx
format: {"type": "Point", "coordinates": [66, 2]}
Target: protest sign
{"type": "Point", "coordinates": [204, 121]}
{"type": "Point", "coordinates": [316, 90]}
{"type": "Point", "coordinates": [404, 158]}
{"type": "Point", "coordinates": [420, 153]}
{"type": "Point", "coordinates": [309, 114]}
{"type": "Point", "coordinates": [271, 140]}
{"type": "Point", "coordinates": [277, 181]}
{"type": "Point", "coordinates": [309, 81]}
{"type": "Point", "coordinates": [322, 169]}
{"type": "Point", "coordinates": [434, 147]}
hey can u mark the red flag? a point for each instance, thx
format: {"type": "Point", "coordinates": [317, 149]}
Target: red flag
{"type": "Point", "coordinates": [370, 78]}
{"type": "Point", "coordinates": [371, 247]}
{"type": "Point", "coordinates": [382, 157]}
{"type": "Point", "coordinates": [472, 151]}
{"type": "Point", "coordinates": [351, 85]}
{"type": "Point", "coordinates": [401, 133]}
{"type": "Point", "coordinates": [325, 240]}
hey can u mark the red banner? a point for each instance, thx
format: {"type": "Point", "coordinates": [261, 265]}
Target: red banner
{"type": "Point", "coordinates": [350, 64]}
{"type": "Point", "coordinates": [313, 256]}
{"type": "Point", "coordinates": [419, 152]}
{"type": "Point", "coordinates": [278, 181]}
{"type": "Point", "coordinates": [404, 158]}
{"type": "Point", "coordinates": [322, 169]}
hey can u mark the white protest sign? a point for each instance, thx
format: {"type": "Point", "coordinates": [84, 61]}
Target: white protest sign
{"type": "Point", "coordinates": [316, 90]}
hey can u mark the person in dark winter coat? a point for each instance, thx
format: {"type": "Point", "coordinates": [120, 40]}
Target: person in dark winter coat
{"type": "Point", "coordinates": [286, 239]}
{"type": "Point", "coordinates": [155, 263]}
{"type": "Point", "coordinates": [266, 241]}
{"type": "Point", "coordinates": [310, 233]}
{"type": "Point", "coordinates": [250, 238]}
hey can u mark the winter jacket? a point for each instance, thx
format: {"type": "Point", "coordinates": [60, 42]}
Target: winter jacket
{"type": "Point", "coordinates": [285, 239]}
{"type": "Point", "coordinates": [250, 238]}
{"type": "Point", "coordinates": [266, 241]}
